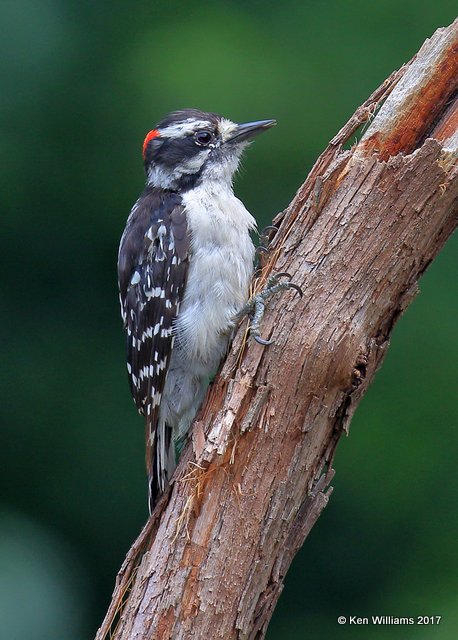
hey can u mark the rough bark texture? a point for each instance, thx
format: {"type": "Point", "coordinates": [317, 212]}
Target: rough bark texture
{"type": "Point", "coordinates": [252, 482]}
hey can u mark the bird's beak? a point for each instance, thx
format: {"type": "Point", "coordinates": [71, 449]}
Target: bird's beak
{"type": "Point", "coordinates": [249, 130]}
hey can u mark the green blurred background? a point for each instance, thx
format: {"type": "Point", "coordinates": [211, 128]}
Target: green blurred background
{"type": "Point", "coordinates": [81, 84]}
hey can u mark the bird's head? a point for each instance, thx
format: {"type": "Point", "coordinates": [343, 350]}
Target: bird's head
{"type": "Point", "coordinates": [190, 146]}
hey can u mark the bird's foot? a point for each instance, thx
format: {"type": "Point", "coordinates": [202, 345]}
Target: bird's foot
{"type": "Point", "coordinates": [265, 237]}
{"type": "Point", "coordinates": [256, 305]}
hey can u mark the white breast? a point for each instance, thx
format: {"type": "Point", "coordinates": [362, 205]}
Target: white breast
{"type": "Point", "coordinates": [221, 267]}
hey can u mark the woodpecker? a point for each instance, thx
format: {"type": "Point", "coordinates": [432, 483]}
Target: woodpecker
{"type": "Point", "coordinates": [184, 269]}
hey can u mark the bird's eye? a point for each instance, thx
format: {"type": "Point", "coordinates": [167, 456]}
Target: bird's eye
{"type": "Point", "coordinates": [203, 137]}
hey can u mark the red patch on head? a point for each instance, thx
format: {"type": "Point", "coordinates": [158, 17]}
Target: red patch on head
{"type": "Point", "coordinates": [149, 136]}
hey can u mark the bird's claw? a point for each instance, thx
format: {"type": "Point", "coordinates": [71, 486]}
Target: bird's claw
{"type": "Point", "coordinates": [274, 285]}
{"type": "Point", "coordinates": [260, 340]}
{"type": "Point", "coordinates": [266, 231]}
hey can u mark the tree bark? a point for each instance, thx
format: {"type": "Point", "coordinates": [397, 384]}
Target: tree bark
{"type": "Point", "coordinates": [255, 475]}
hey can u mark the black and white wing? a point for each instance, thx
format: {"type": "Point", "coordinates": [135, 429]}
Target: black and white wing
{"type": "Point", "coordinates": [152, 270]}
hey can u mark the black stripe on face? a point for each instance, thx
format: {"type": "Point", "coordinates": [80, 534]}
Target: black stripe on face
{"type": "Point", "coordinates": [175, 151]}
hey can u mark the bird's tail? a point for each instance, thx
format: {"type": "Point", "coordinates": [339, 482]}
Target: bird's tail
{"type": "Point", "coordinates": [160, 460]}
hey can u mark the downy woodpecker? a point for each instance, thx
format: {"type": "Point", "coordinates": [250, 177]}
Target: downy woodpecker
{"type": "Point", "coordinates": [184, 267]}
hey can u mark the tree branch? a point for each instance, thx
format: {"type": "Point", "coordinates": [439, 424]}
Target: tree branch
{"type": "Point", "coordinates": [255, 475]}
